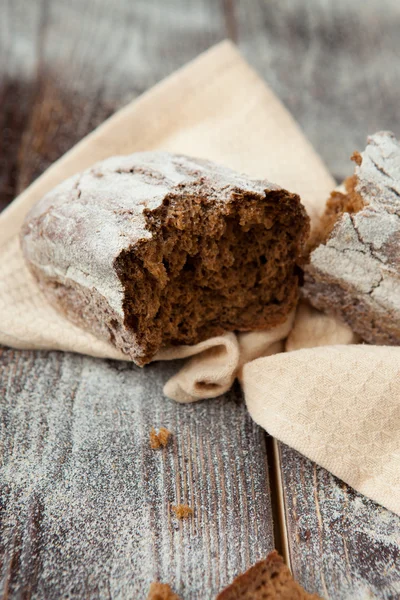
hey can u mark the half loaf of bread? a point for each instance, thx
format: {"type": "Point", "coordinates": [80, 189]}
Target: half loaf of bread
{"type": "Point", "coordinates": [157, 249]}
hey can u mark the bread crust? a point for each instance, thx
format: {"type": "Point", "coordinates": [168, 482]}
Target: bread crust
{"type": "Point", "coordinates": [268, 578]}
{"type": "Point", "coordinates": [82, 240]}
{"type": "Point", "coordinates": [355, 272]}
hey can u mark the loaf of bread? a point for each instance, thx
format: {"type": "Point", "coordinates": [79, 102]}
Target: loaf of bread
{"type": "Point", "coordinates": [156, 249]}
{"type": "Point", "coordinates": [354, 272]}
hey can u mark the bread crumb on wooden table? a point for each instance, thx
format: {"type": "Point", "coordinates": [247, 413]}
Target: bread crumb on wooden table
{"type": "Point", "coordinates": [161, 591]}
{"type": "Point", "coordinates": [182, 511]}
{"type": "Point", "coordinates": [160, 439]}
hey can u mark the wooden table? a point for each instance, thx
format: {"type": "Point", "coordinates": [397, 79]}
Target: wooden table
{"type": "Point", "coordinates": [85, 504]}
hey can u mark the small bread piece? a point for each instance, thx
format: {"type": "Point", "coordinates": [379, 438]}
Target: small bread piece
{"type": "Point", "coordinates": [161, 591]}
{"type": "Point", "coordinates": [160, 439]}
{"type": "Point", "coordinates": [182, 511]}
{"type": "Point", "coordinates": [268, 579]}
{"type": "Point", "coordinates": [354, 272]}
{"type": "Point", "coordinates": [156, 249]}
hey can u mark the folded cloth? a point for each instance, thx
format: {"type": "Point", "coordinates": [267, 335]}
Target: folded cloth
{"type": "Point", "coordinates": [338, 405]}
{"type": "Point", "coordinates": [218, 108]}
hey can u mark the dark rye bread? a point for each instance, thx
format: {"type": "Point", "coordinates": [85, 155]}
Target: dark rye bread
{"type": "Point", "coordinates": [269, 579]}
{"type": "Point", "coordinates": [156, 249]}
{"type": "Point", "coordinates": [354, 272]}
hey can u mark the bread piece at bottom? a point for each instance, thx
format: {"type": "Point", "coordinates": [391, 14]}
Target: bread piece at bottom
{"type": "Point", "coordinates": [161, 591]}
{"type": "Point", "coordinates": [269, 579]}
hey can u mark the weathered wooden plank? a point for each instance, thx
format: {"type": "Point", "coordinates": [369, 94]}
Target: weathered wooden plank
{"type": "Point", "coordinates": [335, 65]}
{"type": "Point", "coordinates": [341, 545]}
{"type": "Point", "coordinates": [76, 65]}
{"type": "Point", "coordinates": [63, 69]}
{"type": "Point", "coordinates": [86, 504]}
{"type": "Point", "coordinates": [314, 55]}
{"type": "Point", "coordinates": [19, 35]}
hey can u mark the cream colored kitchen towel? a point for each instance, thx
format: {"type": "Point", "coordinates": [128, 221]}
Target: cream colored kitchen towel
{"type": "Point", "coordinates": [338, 405]}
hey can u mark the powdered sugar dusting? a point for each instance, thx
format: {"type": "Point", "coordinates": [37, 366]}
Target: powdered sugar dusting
{"type": "Point", "coordinates": [78, 230]}
{"type": "Point", "coordinates": [379, 173]}
{"type": "Point", "coordinates": [86, 501]}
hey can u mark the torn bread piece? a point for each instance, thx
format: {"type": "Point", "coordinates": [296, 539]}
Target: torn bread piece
{"type": "Point", "coordinates": [156, 249]}
{"type": "Point", "coordinates": [354, 271]}
{"type": "Point", "coordinates": [268, 579]}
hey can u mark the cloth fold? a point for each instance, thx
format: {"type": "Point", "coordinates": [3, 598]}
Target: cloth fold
{"type": "Point", "coordinates": [218, 108]}
{"type": "Point", "coordinates": [218, 361]}
{"type": "Point", "coordinates": [339, 406]}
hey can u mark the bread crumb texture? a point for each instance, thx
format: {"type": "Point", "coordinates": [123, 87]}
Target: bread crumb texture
{"type": "Point", "coordinates": [165, 250]}
{"type": "Point", "coordinates": [338, 203]}
{"type": "Point", "coordinates": [268, 579]}
{"type": "Point", "coordinates": [182, 511]}
{"type": "Point", "coordinates": [160, 439]}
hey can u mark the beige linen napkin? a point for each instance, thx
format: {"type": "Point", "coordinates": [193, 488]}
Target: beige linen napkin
{"type": "Point", "coordinates": [338, 405]}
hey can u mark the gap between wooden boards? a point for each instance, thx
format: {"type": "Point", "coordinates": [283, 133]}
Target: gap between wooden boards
{"type": "Point", "coordinates": [277, 498]}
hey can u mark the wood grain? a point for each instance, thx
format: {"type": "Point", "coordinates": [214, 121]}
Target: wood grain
{"type": "Point", "coordinates": [342, 545]}
{"type": "Point", "coordinates": [73, 67]}
{"type": "Point", "coordinates": [335, 65]}
{"type": "Point", "coordinates": [324, 60]}
{"type": "Point", "coordinates": [86, 503]}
